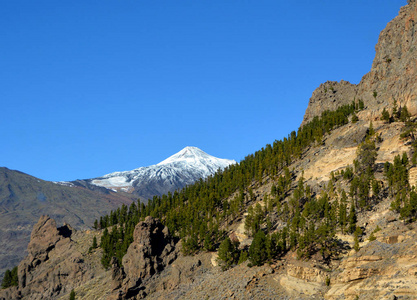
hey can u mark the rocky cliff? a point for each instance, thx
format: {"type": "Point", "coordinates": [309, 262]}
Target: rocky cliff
{"type": "Point", "coordinates": [393, 75]}
{"type": "Point", "coordinates": [329, 96]}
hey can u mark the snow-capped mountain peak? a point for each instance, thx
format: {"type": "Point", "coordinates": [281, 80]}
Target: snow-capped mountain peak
{"type": "Point", "coordinates": [197, 157]}
{"type": "Point", "coordinates": [175, 172]}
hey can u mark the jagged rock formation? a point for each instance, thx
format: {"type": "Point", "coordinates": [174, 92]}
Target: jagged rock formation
{"type": "Point", "coordinates": [45, 238]}
{"type": "Point", "coordinates": [59, 260]}
{"type": "Point", "coordinates": [393, 75]}
{"type": "Point", "coordinates": [151, 251]}
{"type": "Point", "coordinates": [329, 96]}
{"type": "Point", "coordinates": [53, 265]}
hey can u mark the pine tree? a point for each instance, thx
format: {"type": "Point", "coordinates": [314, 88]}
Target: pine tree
{"type": "Point", "coordinates": [257, 250]}
{"type": "Point", "coordinates": [385, 116]}
{"type": "Point", "coordinates": [208, 243]}
{"type": "Point", "coordinates": [94, 245]}
{"type": "Point", "coordinates": [227, 254]}
{"type": "Point", "coordinates": [7, 280]}
{"type": "Point", "coordinates": [15, 279]}
{"type": "Point", "coordinates": [371, 130]}
{"type": "Point", "coordinates": [72, 295]}
{"type": "Point", "coordinates": [404, 114]}
{"type": "Point", "coordinates": [358, 231]}
{"type": "Point", "coordinates": [352, 218]}
{"type": "Point", "coordinates": [354, 118]}
{"type": "Point", "coordinates": [342, 211]}
{"type": "Point", "coordinates": [95, 226]}
{"type": "Point", "coordinates": [10, 278]}
{"type": "Point", "coordinates": [243, 256]}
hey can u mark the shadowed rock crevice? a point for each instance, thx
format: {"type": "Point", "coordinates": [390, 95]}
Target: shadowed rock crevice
{"type": "Point", "coordinates": [65, 231]}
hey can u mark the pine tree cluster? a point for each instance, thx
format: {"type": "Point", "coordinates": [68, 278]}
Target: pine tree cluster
{"type": "Point", "coordinates": [10, 278]}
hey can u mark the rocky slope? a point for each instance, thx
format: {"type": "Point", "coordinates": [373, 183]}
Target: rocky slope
{"type": "Point", "coordinates": [24, 198]}
{"type": "Point", "coordinates": [174, 173]}
{"type": "Point", "coordinates": [383, 268]}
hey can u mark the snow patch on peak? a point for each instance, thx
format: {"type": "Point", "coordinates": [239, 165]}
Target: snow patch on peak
{"type": "Point", "coordinates": [191, 155]}
{"type": "Point", "coordinates": [186, 166]}
{"type": "Point", "coordinates": [64, 183]}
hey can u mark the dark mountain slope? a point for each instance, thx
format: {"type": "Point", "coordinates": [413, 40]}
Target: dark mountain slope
{"type": "Point", "coordinates": [24, 198]}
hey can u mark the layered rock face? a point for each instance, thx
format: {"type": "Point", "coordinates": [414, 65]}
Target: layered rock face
{"type": "Point", "coordinates": [393, 75]}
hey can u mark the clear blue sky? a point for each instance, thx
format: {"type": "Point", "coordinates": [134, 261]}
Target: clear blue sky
{"type": "Point", "coordinates": [92, 87]}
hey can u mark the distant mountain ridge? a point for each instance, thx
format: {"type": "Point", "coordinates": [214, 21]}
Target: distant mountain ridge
{"type": "Point", "coordinates": [24, 198]}
{"type": "Point", "coordinates": [181, 169]}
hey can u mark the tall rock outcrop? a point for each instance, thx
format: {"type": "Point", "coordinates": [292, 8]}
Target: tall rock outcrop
{"type": "Point", "coordinates": [329, 96]}
{"type": "Point", "coordinates": [151, 251]}
{"type": "Point", "coordinates": [393, 75]}
{"type": "Point", "coordinates": [53, 265]}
